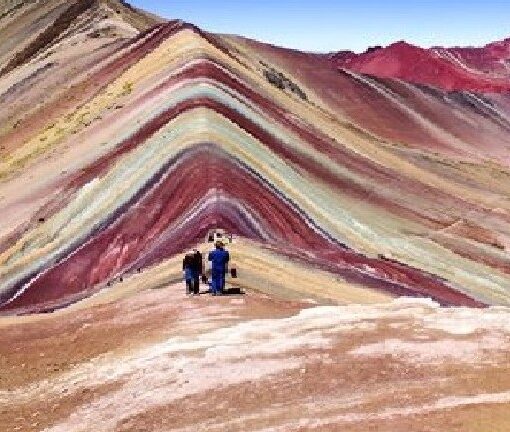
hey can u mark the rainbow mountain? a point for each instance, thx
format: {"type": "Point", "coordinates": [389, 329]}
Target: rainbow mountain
{"type": "Point", "coordinates": [125, 138]}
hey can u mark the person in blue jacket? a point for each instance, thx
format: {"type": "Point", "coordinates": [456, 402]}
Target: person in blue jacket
{"type": "Point", "coordinates": [219, 258]}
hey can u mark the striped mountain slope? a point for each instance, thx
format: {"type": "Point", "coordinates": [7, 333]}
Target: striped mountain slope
{"type": "Point", "coordinates": [145, 143]}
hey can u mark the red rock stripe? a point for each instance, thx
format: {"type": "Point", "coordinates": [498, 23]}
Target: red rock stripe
{"type": "Point", "coordinates": [125, 239]}
{"type": "Point", "coordinates": [90, 87]}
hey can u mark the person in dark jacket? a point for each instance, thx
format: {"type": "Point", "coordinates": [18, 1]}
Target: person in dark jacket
{"type": "Point", "coordinates": [198, 271]}
{"type": "Point", "coordinates": [187, 269]}
{"type": "Point", "coordinates": [192, 269]}
{"type": "Point", "coordinates": [219, 258]}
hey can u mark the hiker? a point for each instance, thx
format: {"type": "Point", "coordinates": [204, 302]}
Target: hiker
{"type": "Point", "coordinates": [192, 268]}
{"type": "Point", "coordinates": [199, 270]}
{"type": "Point", "coordinates": [219, 258]}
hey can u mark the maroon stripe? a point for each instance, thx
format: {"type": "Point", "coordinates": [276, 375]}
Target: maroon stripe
{"type": "Point", "coordinates": [133, 234]}
{"type": "Point", "coordinates": [83, 92]}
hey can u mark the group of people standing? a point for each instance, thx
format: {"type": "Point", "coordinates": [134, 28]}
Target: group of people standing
{"type": "Point", "coordinates": [193, 269]}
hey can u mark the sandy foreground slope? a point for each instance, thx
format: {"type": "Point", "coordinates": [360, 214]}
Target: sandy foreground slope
{"type": "Point", "coordinates": [160, 361]}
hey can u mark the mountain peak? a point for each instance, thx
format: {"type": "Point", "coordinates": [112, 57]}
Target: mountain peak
{"type": "Point", "coordinates": [57, 21]}
{"type": "Point", "coordinates": [475, 69]}
{"type": "Point", "coordinates": [401, 44]}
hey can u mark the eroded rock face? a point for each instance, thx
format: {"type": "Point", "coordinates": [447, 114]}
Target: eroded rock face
{"type": "Point", "coordinates": [124, 143]}
{"type": "Point", "coordinates": [454, 69]}
{"type": "Point", "coordinates": [31, 30]}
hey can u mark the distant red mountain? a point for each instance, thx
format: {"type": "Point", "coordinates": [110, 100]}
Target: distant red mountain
{"type": "Point", "coordinates": [484, 70]}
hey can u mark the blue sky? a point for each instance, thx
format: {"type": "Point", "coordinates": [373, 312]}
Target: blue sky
{"type": "Point", "coordinates": [326, 25]}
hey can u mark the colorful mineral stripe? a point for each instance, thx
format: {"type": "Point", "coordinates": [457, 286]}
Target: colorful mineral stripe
{"type": "Point", "coordinates": [153, 136]}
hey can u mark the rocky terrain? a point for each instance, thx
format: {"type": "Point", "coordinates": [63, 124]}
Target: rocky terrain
{"type": "Point", "coordinates": [161, 361]}
{"type": "Point", "coordinates": [369, 208]}
{"type": "Point", "coordinates": [484, 69]}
